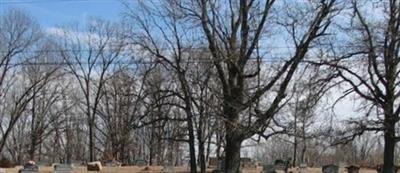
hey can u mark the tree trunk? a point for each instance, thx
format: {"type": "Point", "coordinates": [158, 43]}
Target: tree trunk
{"type": "Point", "coordinates": [40, 152]}
{"type": "Point", "coordinates": [68, 145]}
{"type": "Point", "coordinates": [189, 116]}
{"type": "Point", "coordinates": [3, 139]}
{"type": "Point", "coordinates": [208, 148]}
{"type": "Point", "coordinates": [219, 145]}
{"type": "Point", "coordinates": [33, 132]}
{"type": "Point", "coordinates": [304, 149]}
{"type": "Point", "coordinates": [151, 148]}
{"type": "Point", "coordinates": [390, 144]}
{"type": "Point", "coordinates": [232, 153]}
{"type": "Point", "coordinates": [294, 152]}
{"type": "Point", "coordinates": [201, 143]}
{"type": "Point", "coordinates": [303, 152]}
{"type": "Point", "coordinates": [32, 147]}
{"type": "Point", "coordinates": [202, 157]}
{"type": "Point", "coordinates": [192, 150]}
{"type": "Point", "coordinates": [91, 142]}
{"type": "Point", "coordinates": [151, 154]}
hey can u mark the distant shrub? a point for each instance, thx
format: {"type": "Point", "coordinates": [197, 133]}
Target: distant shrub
{"type": "Point", "coordinates": [5, 163]}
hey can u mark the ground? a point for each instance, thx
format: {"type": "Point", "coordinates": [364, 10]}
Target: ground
{"type": "Point", "coordinates": [158, 169]}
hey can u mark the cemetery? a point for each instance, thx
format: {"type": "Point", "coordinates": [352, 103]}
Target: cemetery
{"type": "Point", "coordinates": [159, 169]}
{"type": "Point", "coordinates": [199, 86]}
{"type": "Point", "coordinates": [215, 165]}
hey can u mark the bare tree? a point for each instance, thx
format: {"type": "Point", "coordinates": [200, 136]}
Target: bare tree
{"type": "Point", "coordinates": [18, 33]}
{"type": "Point", "coordinates": [234, 31]}
{"type": "Point", "coordinates": [370, 66]}
{"type": "Point", "coordinates": [172, 50]}
{"type": "Point", "coordinates": [312, 84]}
{"type": "Point", "coordinates": [89, 55]}
{"type": "Point", "coordinates": [43, 107]}
{"type": "Point", "coordinates": [124, 109]}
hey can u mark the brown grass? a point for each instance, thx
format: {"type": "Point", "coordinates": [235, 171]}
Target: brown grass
{"type": "Point", "coordinates": [158, 169]}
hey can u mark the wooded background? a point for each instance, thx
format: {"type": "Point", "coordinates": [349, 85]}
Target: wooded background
{"type": "Point", "coordinates": [177, 82]}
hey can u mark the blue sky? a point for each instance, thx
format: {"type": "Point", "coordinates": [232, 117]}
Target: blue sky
{"type": "Point", "coordinates": [50, 13]}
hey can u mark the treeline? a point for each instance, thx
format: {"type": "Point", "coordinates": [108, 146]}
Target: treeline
{"type": "Point", "coordinates": [177, 82]}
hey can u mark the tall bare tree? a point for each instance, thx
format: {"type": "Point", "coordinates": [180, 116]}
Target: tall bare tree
{"type": "Point", "coordinates": [18, 35]}
{"type": "Point", "coordinates": [370, 67]}
{"type": "Point", "coordinates": [167, 39]}
{"type": "Point", "coordinates": [234, 31]}
{"type": "Point", "coordinates": [89, 54]}
{"type": "Point", "coordinates": [312, 84]}
{"type": "Point", "coordinates": [43, 107]}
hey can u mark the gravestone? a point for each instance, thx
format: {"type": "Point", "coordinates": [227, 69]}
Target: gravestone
{"type": "Point", "coordinates": [33, 169]}
{"type": "Point", "coordinates": [379, 168]}
{"type": "Point", "coordinates": [94, 166]}
{"type": "Point", "coordinates": [43, 163]}
{"type": "Point", "coordinates": [247, 163]}
{"type": "Point", "coordinates": [63, 168]}
{"type": "Point", "coordinates": [269, 168]}
{"type": "Point", "coordinates": [29, 167]}
{"type": "Point", "coordinates": [303, 168]}
{"type": "Point", "coordinates": [281, 165]}
{"type": "Point", "coordinates": [140, 162]}
{"type": "Point", "coordinates": [220, 167]}
{"type": "Point", "coordinates": [212, 162]}
{"type": "Point", "coordinates": [78, 163]}
{"type": "Point", "coordinates": [353, 169]}
{"type": "Point", "coordinates": [168, 167]}
{"type": "Point", "coordinates": [112, 163]}
{"type": "Point", "coordinates": [331, 168]}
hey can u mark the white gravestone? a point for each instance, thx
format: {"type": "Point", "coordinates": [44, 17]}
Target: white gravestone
{"type": "Point", "coordinates": [303, 168]}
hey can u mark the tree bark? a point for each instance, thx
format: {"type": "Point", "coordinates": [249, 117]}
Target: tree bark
{"type": "Point", "coordinates": [202, 157]}
{"type": "Point", "coordinates": [192, 151]}
{"type": "Point", "coordinates": [189, 118]}
{"type": "Point", "coordinates": [232, 153]}
{"type": "Point", "coordinates": [33, 133]}
{"type": "Point", "coordinates": [295, 138]}
{"type": "Point", "coordinates": [91, 142]}
{"type": "Point", "coordinates": [390, 144]}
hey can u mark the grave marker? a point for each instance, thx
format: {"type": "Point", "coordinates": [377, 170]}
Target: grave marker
{"type": "Point", "coordinates": [140, 162]}
{"type": "Point", "coordinates": [247, 163]}
{"type": "Point", "coordinates": [212, 162]}
{"type": "Point", "coordinates": [281, 165]}
{"type": "Point", "coordinates": [29, 170]}
{"type": "Point", "coordinates": [220, 167]}
{"type": "Point", "coordinates": [379, 168]}
{"type": "Point", "coordinates": [63, 168]}
{"type": "Point", "coordinates": [29, 167]}
{"type": "Point", "coordinates": [112, 163]}
{"type": "Point", "coordinates": [94, 166]}
{"type": "Point", "coordinates": [43, 163]}
{"type": "Point", "coordinates": [168, 167]}
{"type": "Point", "coordinates": [303, 168]}
{"type": "Point", "coordinates": [331, 168]}
{"type": "Point", "coordinates": [353, 169]}
{"type": "Point", "coordinates": [269, 168]}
